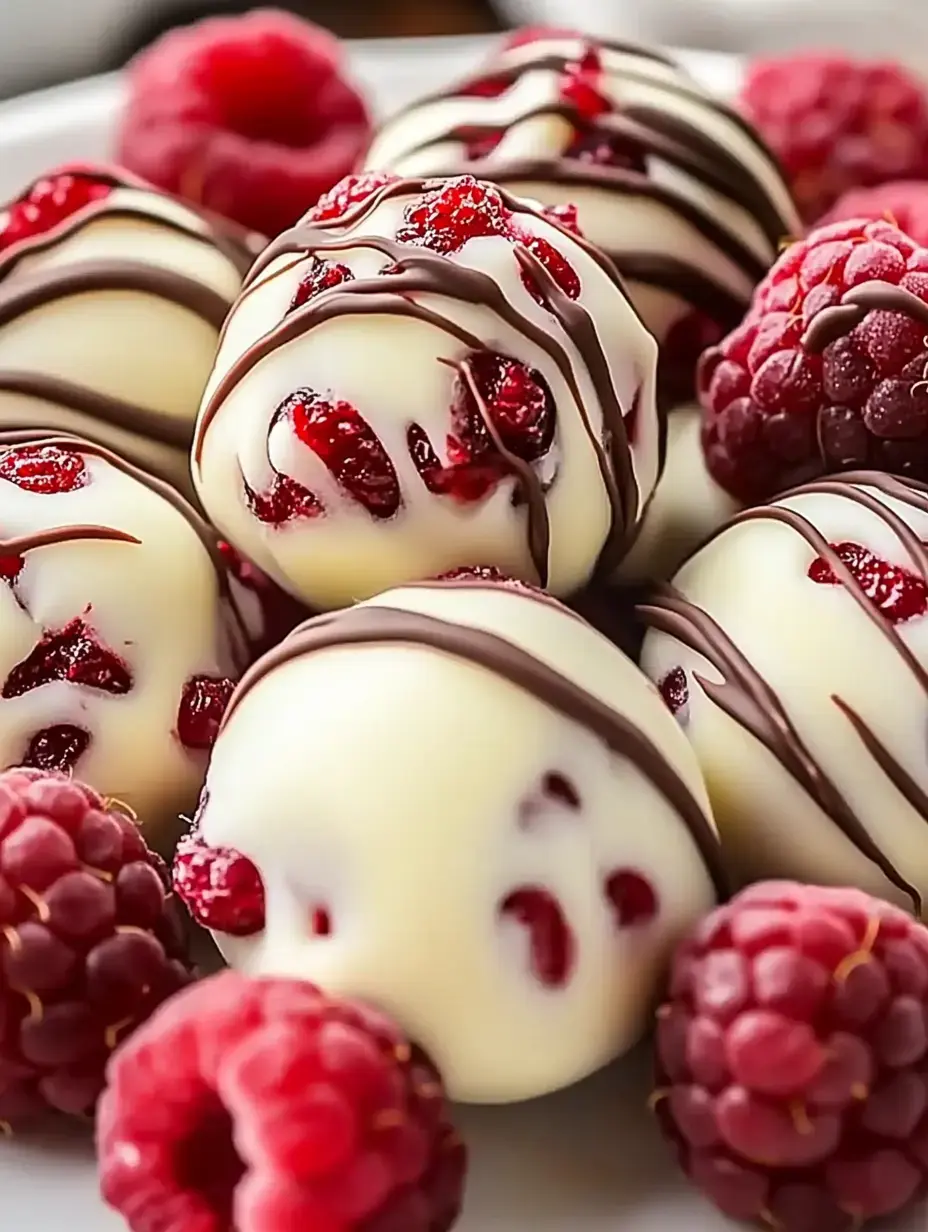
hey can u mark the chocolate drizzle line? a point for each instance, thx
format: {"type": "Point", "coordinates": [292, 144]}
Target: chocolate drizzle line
{"type": "Point", "coordinates": [751, 702]}
{"type": "Point", "coordinates": [832, 323]}
{"type": "Point", "coordinates": [416, 270]}
{"type": "Point", "coordinates": [384, 625]}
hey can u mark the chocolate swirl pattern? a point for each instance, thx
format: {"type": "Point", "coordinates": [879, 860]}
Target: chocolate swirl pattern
{"type": "Point", "coordinates": [668, 180]}
{"type": "Point", "coordinates": [110, 311]}
{"type": "Point", "coordinates": [802, 631]}
{"type": "Point", "coordinates": [428, 322]}
{"type": "Point", "coordinates": [559, 776]}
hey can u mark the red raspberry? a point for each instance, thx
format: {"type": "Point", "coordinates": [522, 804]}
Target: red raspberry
{"type": "Point", "coordinates": [221, 888]}
{"type": "Point", "coordinates": [47, 203]}
{"type": "Point", "coordinates": [793, 1058]}
{"type": "Point", "coordinates": [777, 414]}
{"type": "Point", "coordinates": [266, 1106]}
{"type": "Point", "coordinates": [904, 203]}
{"type": "Point", "coordinates": [248, 115]}
{"type": "Point", "coordinates": [838, 124]}
{"type": "Point", "coordinates": [89, 942]}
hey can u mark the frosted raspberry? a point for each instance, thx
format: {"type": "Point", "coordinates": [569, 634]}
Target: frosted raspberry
{"type": "Point", "coordinates": [447, 216]}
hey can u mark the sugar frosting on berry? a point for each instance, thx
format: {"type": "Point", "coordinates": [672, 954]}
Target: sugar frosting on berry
{"type": "Point", "coordinates": [120, 637]}
{"type": "Point", "coordinates": [793, 648]}
{"type": "Point", "coordinates": [434, 375]}
{"type": "Point", "coordinates": [667, 180]}
{"type": "Point", "coordinates": [461, 803]}
{"type": "Point", "coordinates": [111, 300]}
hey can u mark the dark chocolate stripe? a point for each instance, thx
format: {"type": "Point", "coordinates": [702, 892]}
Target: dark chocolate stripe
{"type": "Point", "coordinates": [18, 545]}
{"type": "Point", "coordinates": [373, 625]}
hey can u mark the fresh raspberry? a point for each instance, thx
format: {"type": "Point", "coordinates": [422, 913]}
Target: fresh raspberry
{"type": "Point", "coordinates": [320, 276]}
{"type": "Point", "coordinates": [248, 115]}
{"type": "Point", "coordinates": [266, 1106]}
{"type": "Point", "coordinates": [352, 191]}
{"type": "Point", "coordinates": [898, 594]}
{"type": "Point", "coordinates": [47, 203]}
{"type": "Point", "coordinates": [57, 748]}
{"type": "Point", "coordinates": [777, 414]}
{"type": "Point", "coordinates": [793, 1058]}
{"type": "Point", "coordinates": [838, 124]}
{"type": "Point", "coordinates": [221, 888]}
{"type": "Point", "coordinates": [89, 942]}
{"type": "Point", "coordinates": [904, 203]}
{"type": "Point", "coordinates": [75, 654]}
{"type": "Point", "coordinates": [203, 702]}
{"type": "Point", "coordinates": [47, 469]}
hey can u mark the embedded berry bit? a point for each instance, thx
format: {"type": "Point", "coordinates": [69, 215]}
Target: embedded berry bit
{"type": "Point", "coordinates": [221, 888]}
{"type": "Point", "coordinates": [565, 216]}
{"type": "Point", "coordinates": [675, 691]}
{"type": "Point", "coordinates": [479, 143]}
{"type": "Point", "coordinates": [268, 1105]}
{"type": "Point", "coordinates": [632, 898]}
{"type": "Point", "coordinates": [897, 593]}
{"type": "Point", "coordinates": [551, 942]}
{"type": "Point", "coordinates": [485, 87]}
{"type": "Point", "coordinates": [602, 148]}
{"type": "Point", "coordinates": [348, 446]}
{"type": "Point", "coordinates": [82, 963]}
{"type": "Point", "coordinates": [47, 469]}
{"type": "Point", "coordinates": [285, 501]}
{"type": "Point", "coordinates": [320, 276]}
{"type": "Point", "coordinates": [352, 191]}
{"type": "Point", "coordinates": [202, 704]}
{"type": "Point", "coordinates": [581, 85]}
{"type": "Point", "coordinates": [47, 204]}
{"type": "Point", "coordinates": [790, 1071]}
{"type": "Point", "coordinates": [556, 264]}
{"type": "Point", "coordinates": [74, 654]}
{"type": "Point", "coordinates": [463, 480]}
{"type": "Point", "coordinates": [57, 748]}
{"type": "Point", "coordinates": [446, 217]}
{"type": "Point", "coordinates": [11, 567]}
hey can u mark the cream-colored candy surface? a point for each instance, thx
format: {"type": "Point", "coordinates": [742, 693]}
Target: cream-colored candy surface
{"type": "Point", "coordinates": [492, 870]}
{"type": "Point", "coordinates": [687, 506]}
{"type": "Point", "coordinates": [412, 487]}
{"type": "Point", "coordinates": [110, 313]}
{"type": "Point", "coordinates": [118, 639]}
{"type": "Point", "coordinates": [667, 179]}
{"type": "Point", "coordinates": [804, 698]}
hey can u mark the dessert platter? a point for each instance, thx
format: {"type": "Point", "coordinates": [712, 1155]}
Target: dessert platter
{"type": "Point", "coordinates": [464, 637]}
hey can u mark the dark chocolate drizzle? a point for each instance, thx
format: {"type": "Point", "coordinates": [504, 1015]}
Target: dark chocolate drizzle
{"type": "Point", "coordinates": [412, 271]}
{"type": "Point", "coordinates": [385, 625]}
{"type": "Point", "coordinates": [747, 698]}
{"type": "Point", "coordinates": [683, 145]}
{"type": "Point", "coordinates": [832, 323]}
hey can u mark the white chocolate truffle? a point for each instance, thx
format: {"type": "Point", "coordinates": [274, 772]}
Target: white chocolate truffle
{"type": "Point", "coordinates": [111, 300]}
{"type": "Point", "coordinates": [667, 179]}
{"type": "Point", "coordinates": [686, 508]}
{"type": "Point", "coordinates": [469, 808]}
{"type": "Point", "coordinates": [119, 640]}
{"type": "Point", "coordinates": [419, 377]}
{"type": "Point", "coordinates": [794, 649]}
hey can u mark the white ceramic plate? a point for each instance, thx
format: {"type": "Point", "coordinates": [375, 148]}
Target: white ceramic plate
{"type": "Point", "coordinates": [587, 1160]}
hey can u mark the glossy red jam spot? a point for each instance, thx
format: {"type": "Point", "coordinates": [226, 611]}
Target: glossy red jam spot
{"type": "Point", "coordinates": [675, 690]}
{"type": "Point", "coordinates": [57, 748]}
{"type": "Point", "coordinates": [581, 85]}
{"type": "Point", "coordinates": [555, 263]}
{"type": "Point", "coordinates": [455, 211]}
{"type": "Point", "coordinates": [220, 887]}
{"type": "Point", "coordinates": [632, 898]}
{"type": "Point", "coordinates": [550, 937]}
{"type": "Point", "coordinates": [320, 922]}
{"type": "Point", "coordinates": [557, 786]}
{"type": "Point", "coordinates": [47, 469]}
{"type": "Point", "coordinates": [284, 501]}
{"type": "Point", "coordinates": [319, 276]}
{"type": "Point", "coordinates": [461, 479]}
{"type": "Point", "coordinates": [897, 593]}
{"type": "Point", "coordinates": [349, 448]}
{"type": "Point", "coordinates": [565, 216]}
{"type": "Point", "coordinates": [11, 567]}
{"type": "Point", "coordinates": [348, 194]}
{"type": "Point", "coordinates": [203, 702]}
{"type": "Point", "coordinates": [47, 204]}
{"type": "Point", "coordinates": [75, 654]}
{"type": "Point", "coordinates": [598, 146]}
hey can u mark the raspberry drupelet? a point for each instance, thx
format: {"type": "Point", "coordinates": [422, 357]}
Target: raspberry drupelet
{"type": "Point", "coordinates": [793, 1058]}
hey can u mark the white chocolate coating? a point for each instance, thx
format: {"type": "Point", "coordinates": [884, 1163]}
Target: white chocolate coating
{"type": "Point", "coordinates": [388, 783]}
{"type": "Point", "coordinates": [686, 508]}
{"type": "Point", "coordinates": [681, 240]}
{"type": "Point", "coordinates": [827, 656]}
{"type": "Point", "coordinates": [159, 605]}
{"type": "Point", "coordinates": [400, 367]}
{"type": "Point", "coordinates": [129, 295]}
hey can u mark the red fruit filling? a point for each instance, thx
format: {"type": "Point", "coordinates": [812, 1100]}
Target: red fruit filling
{"type": "Point", "coordinates": [320, 276]}
{"type": "Point", "coordinates": [203, 702]}
{"type": "Point", "coordinates": [284, 501]}
{"type": "Point", "coordinates": [348, 193]}
{"type": "Point", "coordinates": [519, 405]}
{"type": "Point", "coordinates": [47, 469]}
{"type": "Point", "coordinates": [47, 204]}
{"type": "Point", "coordinates": [581, 85]}
{"type": "Point", "coordinates": [73, 654]}
{"type": "Point", "coordinates": [57, 748]}
{"type": "Point", "coordinates": [556, 264]}
{"type": "Point", "coordinates": [897, 593]}
{"type": "Point", "coordinates": [565, 216]}
{"type": "Point", "coordinates": [632, 898]}
{"type": "Point", "coordinates": [456, 211]}
{"type": "Point", "coordinates": [11, 567]}
{"type": "Point", "coordinates": [605, 149]}
{"type": "Point", "coordinates": [675, 691]}
{"type": "Point", "coordinates": [320, 922]}
{"type": "Point", "coordinates": [550, 938]}
{"type": "Point", "coordinates": [221, 888]}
